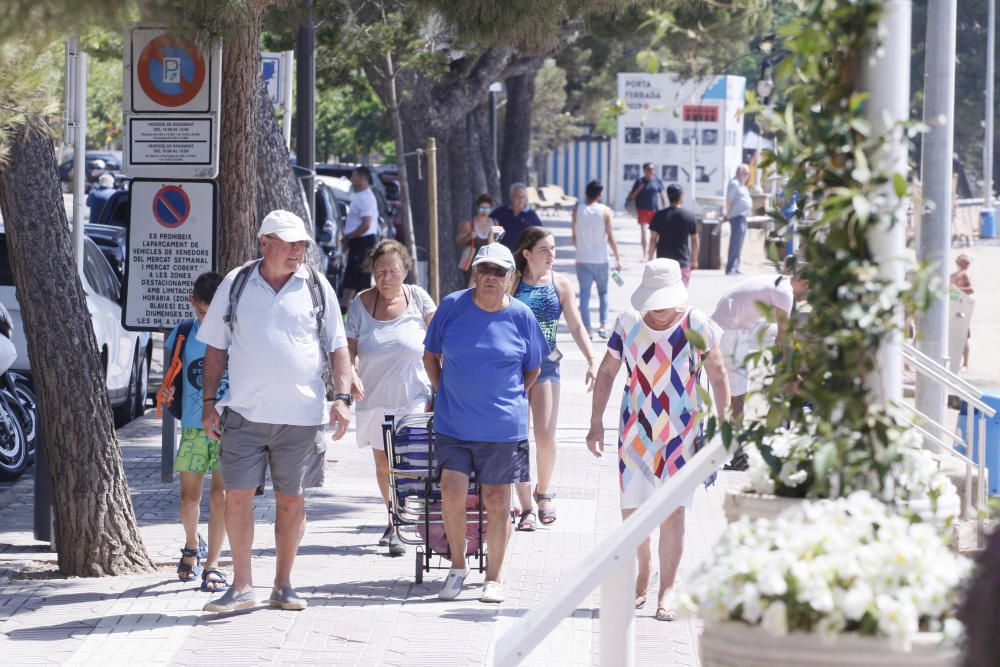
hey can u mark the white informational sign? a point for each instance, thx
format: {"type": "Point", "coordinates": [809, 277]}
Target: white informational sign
{"type": "Point", "coordinates": [960, 307]}
{"type": "Point", "coordinates": [272, 68]}
{"type": "Point", "coordinates": [171, 242]}
{"type": "Point", "coordinates": [692, 132]}
{"type": "Point", "coordinates": [171, 99]}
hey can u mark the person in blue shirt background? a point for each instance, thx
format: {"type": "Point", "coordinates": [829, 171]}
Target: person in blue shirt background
{"type": "Point", "coordinates": [515, 217]}
{"type": "Point", "coordinates": [99, 195]}
{"type": "Point", "coordinates": [197, 455]}
{"type": "Point", "coordinates": [483, 351]}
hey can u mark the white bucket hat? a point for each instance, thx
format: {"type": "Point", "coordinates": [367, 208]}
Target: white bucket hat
{"type": "Point", "coordinates": [661, 286]}
{"type": "Point", "coordinates": [286, 226]}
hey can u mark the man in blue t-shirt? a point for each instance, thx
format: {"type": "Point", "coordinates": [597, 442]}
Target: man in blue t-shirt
{"type": "Point", "coordinates": [647, 192]}
{"type": "Point", "coordinates": [483, 351]}
{"type": "Point", "coordinates": [516, 217]}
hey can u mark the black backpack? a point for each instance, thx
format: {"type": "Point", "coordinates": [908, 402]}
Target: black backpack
{"type": "Point", "coordinates": [176, 406]}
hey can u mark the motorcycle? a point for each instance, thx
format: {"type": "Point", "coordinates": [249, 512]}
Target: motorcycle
{"type": "Point", "coordinates": [18, 410]}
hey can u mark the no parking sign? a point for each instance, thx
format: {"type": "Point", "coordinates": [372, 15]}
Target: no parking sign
{"type": "Point", "coordinates": [172, 92]}
{"type": "Point", "coordinates": [171, 241]}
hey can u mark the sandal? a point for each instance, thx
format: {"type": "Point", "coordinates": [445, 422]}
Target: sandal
{"type": "Point", "coordinates": [185, 571]}
{"type": "Point", "coordinates": [527, 522]}
{"type": "Point", "coordinates": [546, 516]}
{"type": "Point", "coordinates": [213, 580]}
{"type": "Point", "coordinates": [664, 614]}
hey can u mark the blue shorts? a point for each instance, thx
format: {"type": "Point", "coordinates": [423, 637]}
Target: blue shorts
{"type": "Point", "coordinates": [550, 371]}
{"type": "Point", "coordinates": [493, 462]}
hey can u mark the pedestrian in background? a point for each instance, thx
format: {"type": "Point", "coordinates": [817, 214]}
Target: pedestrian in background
{"type": "Point", "coordinates": [274, 336]}
{"type": "Point", "coordinates": [550, 296]}
{"type": "Point", "coordinates": [661, 409]}
{"type": "Point", "coordinates": [515, 217]}
{"type": "Point", "coordinates": [483, 352]}
{"type": "Point", "coordinates": [99, 196]}
{"type": "Point", "coordinates": [197, 455]}
{"type": "Point", "coordinates": [738, 207]}
{"type": "Point", "coordinates": [674, 234]}
{"type": "Point", "coordinates": [386, 326]}
{"type": "Point", "coordinates": [593, 234]}
{"type": "Point", "coordinates": [473, 234]}
{"type": "Point", "coordinates": [647, 192]}
{"type": "Point", "coordinates": [360, 235]}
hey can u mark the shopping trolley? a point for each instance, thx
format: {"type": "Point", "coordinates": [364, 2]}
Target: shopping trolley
{"type": "Point", "coordinates": [415, 495]}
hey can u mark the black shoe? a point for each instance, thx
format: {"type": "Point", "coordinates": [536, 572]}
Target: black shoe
{"type": "Point", "coordinates": [738, 462]}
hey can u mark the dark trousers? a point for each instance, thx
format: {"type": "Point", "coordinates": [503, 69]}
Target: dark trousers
{"type": "Point", "coordinates": [738, 228]}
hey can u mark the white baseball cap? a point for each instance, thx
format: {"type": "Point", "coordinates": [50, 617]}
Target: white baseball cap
{"type": "Point", "coordinates": [495, 253]}
{"type": "Point", "coordinates": [286, 226]}
{"type": "Point", "coordinates": [661, 286]}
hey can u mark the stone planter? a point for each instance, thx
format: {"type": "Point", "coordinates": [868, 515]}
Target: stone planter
{"type": "Point", "coordinates": [755, 505]}
{"type": "Point", "coordinates": [741, 645]}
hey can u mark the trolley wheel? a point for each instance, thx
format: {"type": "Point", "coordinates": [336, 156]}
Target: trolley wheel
{"type": "Point", "coordinates": [419, 571]}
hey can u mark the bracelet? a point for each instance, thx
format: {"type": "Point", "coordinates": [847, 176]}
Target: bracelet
{"type": "Point", "coordinates": [209, 400]}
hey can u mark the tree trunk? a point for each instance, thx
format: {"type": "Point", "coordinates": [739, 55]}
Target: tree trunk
{"type": "Point", "coordinates": [95, 526]}
{"type": "Point", "coordinates": [392, 101]}
{"type": "Point", "coordinates": [517, 131]}
{"type": "Point", "coordinates": [277, 186]}
{"type": "Point", "coordinates": [241, 73]}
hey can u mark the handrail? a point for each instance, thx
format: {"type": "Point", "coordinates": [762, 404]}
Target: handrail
{"type": "Point", "coordinates": [955, 377]}
{"type": "Point", "coordinates": [612, 563]}
{"type": "Point", "coordinates": [931, 370]}
{"type": "Point", "coordinates": [954, 437]}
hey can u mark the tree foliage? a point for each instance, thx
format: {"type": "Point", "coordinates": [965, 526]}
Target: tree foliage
{"type": "Point", "coordinates": [551, 124]}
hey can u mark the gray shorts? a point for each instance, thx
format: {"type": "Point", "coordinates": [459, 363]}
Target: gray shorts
{"type": "Point", "coordinates": [295, 454]}
{"type": "Point", "coordinates": [493, 462]}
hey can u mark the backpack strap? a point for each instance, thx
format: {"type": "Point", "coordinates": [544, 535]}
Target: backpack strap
{"type": "Point", "coordinates": [318, 296]}
{"type": "Point", "coordinates": [184, 329]}
{"type": "Point", "coordinates": [236, 290]}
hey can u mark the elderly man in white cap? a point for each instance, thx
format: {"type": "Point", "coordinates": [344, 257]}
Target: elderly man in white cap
{"type": "Point", "coordinates": [269, 319]}
{"type": "Point", "coordinates": [664, 344]}
{"type": "Point", "coordinates": [483, 351]}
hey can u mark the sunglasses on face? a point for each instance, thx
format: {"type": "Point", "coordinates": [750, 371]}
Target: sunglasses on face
{"type": "Point", "coordinates": [496, 271]}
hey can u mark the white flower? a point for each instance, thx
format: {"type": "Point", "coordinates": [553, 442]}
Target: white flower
{"type": "Point", "coordinates": [771, 581]}
{"type": "Point", "coordinates": [775, 619]}
{"type": "Point", "coordinates": [856, 601]}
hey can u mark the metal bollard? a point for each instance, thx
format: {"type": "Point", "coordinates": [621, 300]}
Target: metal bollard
{"type": "Point", "coordinates": [168, 447]}
{"type": "Point", "coordinates": [44, 520]}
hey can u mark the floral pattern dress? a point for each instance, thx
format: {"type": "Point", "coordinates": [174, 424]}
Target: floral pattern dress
{"type": "Point", "coordinates": [660, 410]}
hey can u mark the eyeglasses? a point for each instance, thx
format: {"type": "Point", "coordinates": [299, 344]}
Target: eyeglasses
{"type": "Point", "coordinates": [484, 209]}
{"type": "Point", "coordinates": [497, 271]}
{"type": "Point", "coordinates": [285, 244]}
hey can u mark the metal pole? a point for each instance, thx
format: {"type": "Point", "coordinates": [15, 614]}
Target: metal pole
{"type": "Point", "coordinates": [934, 239]}
{"type": "Point", "coordinates": [305, 102]}
{"type": "Point", "coordinates": [288, 64]}
{"type": "Point", "coordinates": [79, 145]}
{"type": "Point", "coordinates": [44, 519]}
{"type": "Point", "coordinates": [432, 220]}
{"type": "Point", "coordinates": [886, 75]}
{"type": "Point", "coordinates": [988, 139]}
{"type": "Point", "coordinates": [168, 444]}
{"type": "Point", "coordinates": [618, 615]}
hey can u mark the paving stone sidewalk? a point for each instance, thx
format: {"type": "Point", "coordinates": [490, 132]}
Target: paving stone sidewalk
{"type": "Point", "coordinates": [364, 607]}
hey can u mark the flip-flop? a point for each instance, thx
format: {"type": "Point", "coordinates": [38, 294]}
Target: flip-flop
{"type": "Point", "coordinates": [213, 580]}
{"type": "Point", "coordinates": [640, 602]}
{"type": "Point", "coordinates": [527, 523]}
{"type": "Point", "coordinates": [664, 614]}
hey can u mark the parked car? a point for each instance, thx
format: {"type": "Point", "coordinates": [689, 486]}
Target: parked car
{"type": "Point", "coordinates": [388, 209]}
{"type": "Point", "coordinates": [116, 211]}
{"type": "Point", "coordinates": [125, 355]}
{"type": "Point", "coordinates": [330, 217]}
{"type": "Point", "coordinates": [98, 162]}
{"type": "Point", "coordinates": [110, 241]}
{"type": "Point", "coordinates": [344, 192]}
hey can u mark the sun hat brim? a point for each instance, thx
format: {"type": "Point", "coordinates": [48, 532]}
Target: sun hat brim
{"type": "Point", "coordinates": [658, 298]}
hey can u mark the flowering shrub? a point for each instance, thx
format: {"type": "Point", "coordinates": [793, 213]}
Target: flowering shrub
{"type": "Point", "coordinates": [851, 565]}
{"type": "Point", "coordinates": [787, 463]}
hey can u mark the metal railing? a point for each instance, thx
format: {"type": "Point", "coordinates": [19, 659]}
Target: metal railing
{"type": "Point", "coordinates": [612, 566]}
{"type": "Point", "coordinates": [972, 396]}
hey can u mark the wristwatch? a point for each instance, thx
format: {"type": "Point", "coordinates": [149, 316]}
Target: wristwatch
{"type": "Point", "coordinates": [346, 398]}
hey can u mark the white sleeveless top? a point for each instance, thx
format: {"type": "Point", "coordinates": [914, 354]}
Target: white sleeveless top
{"type": "Point", "coordinates": [591, 237]}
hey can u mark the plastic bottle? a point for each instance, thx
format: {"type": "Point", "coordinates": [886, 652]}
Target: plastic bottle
{"type": "Point", "coordinates": [617, 277]}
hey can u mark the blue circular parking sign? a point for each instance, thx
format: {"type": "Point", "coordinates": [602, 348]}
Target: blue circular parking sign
{"type": "Point", "coordinates": [171, 206]}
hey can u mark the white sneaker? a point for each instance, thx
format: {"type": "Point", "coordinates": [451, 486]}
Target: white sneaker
{"type": "Point", "coordinates": [453, 584]}
{"type": "Point", "coordinates": [492, 592]}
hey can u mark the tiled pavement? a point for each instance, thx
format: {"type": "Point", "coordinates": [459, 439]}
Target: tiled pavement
{"type": "Point", "coordinates": [364, 606]}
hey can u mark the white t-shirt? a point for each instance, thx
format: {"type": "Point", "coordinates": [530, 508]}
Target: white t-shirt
{"type": "Point", "coordinates": [391, 353]}
{"type": "Point", "coordinates": [275, 358]}
{"type": "Point", "coordinates": [363, 205]}
{"type": "Point", "coordinates": [591, 235]}
{"type": "Point", "coordinates": [738, 196]}
{"type": "Point", "coordinates": [738, 308]}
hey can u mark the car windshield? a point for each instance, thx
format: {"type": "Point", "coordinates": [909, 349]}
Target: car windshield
{"type": "Point", "coordinates": [6, 275]}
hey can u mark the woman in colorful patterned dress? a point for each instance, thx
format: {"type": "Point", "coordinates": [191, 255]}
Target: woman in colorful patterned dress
{"type": "Point", "coordinates": [664, 345]}
{"type": "Point", "coordinates": [549, 295]}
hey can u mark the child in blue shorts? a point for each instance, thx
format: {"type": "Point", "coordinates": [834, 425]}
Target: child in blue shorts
{"type": "Point", "coordinates": [197, 455]}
